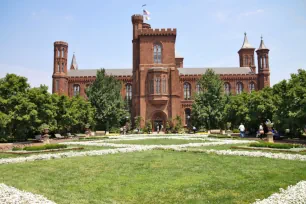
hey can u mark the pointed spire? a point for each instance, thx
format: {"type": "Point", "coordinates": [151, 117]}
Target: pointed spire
{"type": "Point", "coordinates": [246, 43]}
{"type": "Point", "coordinates": [262, 45]}
{"type": "Point", "coordinates": [74, 64]}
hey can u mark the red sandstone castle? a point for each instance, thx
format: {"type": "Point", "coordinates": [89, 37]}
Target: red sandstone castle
{"type": "Point", "coordinates": [158, 85]}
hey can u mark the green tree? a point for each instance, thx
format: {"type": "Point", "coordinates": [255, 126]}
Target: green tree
{"type": "Point", "coordinates": [148, 127]}
{"type": "Point", "coordinates": [208, 107]}
{"type": "Point", "coordinates": [104, 95]}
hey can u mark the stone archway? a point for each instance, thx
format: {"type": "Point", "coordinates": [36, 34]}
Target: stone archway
{"type": "Point", "coordinates": [159, 119]}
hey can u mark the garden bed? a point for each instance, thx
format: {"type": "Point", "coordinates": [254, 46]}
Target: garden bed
{"type": "Point", "coordinates": [47, 150]}
{"type": "Point", "coordinates": [270, 149]}
{"type": "Point", "coordinates": [276, 145]}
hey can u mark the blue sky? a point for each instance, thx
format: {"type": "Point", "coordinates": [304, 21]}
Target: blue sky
{"type": "Point", "coordinates": [99, 32]}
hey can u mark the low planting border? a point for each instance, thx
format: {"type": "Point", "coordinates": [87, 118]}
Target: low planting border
{"type": "Point", "coordinates": [47, 150]}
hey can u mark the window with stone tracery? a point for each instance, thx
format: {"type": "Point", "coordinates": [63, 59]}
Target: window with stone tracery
{"type": "Point", "coordinates": [128, 88]}
{"type": "Point", "coordinates": [76, 89]}
{"type": "Point", "coordinates": [187, 91]}
{"type": "Point", "coordinates": [164, 85]}
{"type": "Point", "coordinates": [157, 50]}
{"type": "Point", "coordinates": [227, 88]}
{"type": "Point", "coordinates": [198, 88]}
{"type": "Point", "coordinates": [252, 87]}
{"type": "Point", "coordinates": [157, 85]}
{"type": "Point", "coordinates": [239, 88]}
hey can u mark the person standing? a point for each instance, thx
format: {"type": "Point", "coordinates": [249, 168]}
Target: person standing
{"type": "Point", "coordinates": [157, 128]}
{"type": "Point", "coordinates": [241, 129]}
{"type": "Point", "coordinates": [261, 131]}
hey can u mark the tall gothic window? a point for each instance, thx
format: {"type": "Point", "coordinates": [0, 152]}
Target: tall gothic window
{"type": "Point", "coordinates": [164, 85]}
{"type": "Point", "coordinates": [157, 53]}
{"type": "Point", "coordinates": [187, 91]}
{"type": "Point", "coordinates": [157, 85]}
{"type": "Point", "coordinates": [63, 54]}
{"type": "Point", "coordinates": [198, 88]}
{"type": "Point", "coordinates": [58, 67]}
{"type": "Point", "coordinates": [128, 88]}
{"type": "Point", "coordinates": [58, 53]}
{"type": "Point", "coordinates": [239, 88]}
{"type": "Point", "coordinates": [63, 65]}
{"type": "Point", "coordinates": [227, 88]}
{"type": "Point", "coordinates": [76, 89]}
{"type": "Point", "coordinates": [187, 116]}
{"type": "Point", "coordinates": [152, 86]}
{"type": "Point", "coordinates": [251, 86]}
{"type": "Point", "coordinates": [246, 60]}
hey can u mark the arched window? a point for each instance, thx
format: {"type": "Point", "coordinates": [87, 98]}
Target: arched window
{"type": "Point", "coordinates": [187, 116]}
{"type": "Point", "coordinates": [63, 65]}
{"type": "Point", "coordinates": [198, 88]}
{"type": "Point", "coordinates": [264, 62]}
{"type": "Point", "coordinates": [187, 89]}
{"type": "Point", "coordinates": [164, 85]}
{"type": "Point", "coordinates": [251, 86]}
{"type": "Point", "coordinates": [157, 53]}
{"type": "Point", "coordinates": [227, 88]}
{"type": "Point", "coordinates": [239, 88]}
{"type": "Point", "coordinates": [76, 89]}
{"type": "Point", "coordinates": [58, 53]}
{"type": "Point", "coordinates": [157, 85]}
{"type": "Point", "coordinates": [128, 88]}
{"type": "Point", "coordinates": [63, 53]}
{"type": "Point", "coordinates": [58, 67]}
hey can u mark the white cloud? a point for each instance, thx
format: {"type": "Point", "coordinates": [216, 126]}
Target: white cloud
{"type": "Point", "coordinates": [35, 77]}
{"type": "Point", "coordinates": [250, 13]}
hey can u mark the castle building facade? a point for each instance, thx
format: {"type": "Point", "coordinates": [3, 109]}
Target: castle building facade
{"type": "Point", "coordinates": [158, 85]}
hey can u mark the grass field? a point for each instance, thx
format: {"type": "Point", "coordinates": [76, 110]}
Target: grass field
{"type": "Point", "coordinates": [154, 177]}
{"type": "Point", "coordinates": [157, 141]}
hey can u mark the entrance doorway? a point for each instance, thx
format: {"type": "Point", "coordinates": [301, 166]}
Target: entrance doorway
{"type": "Point", "coordinates": [158, 123]}
{"type": "Point", "coordinates": [159, 120]}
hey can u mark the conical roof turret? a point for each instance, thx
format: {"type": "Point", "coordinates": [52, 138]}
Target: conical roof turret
{"type": "Point", "coordinates": [74, 64]}
{"type": "Point", "coordinates": [246, 43]}
{"type": "Point", "coordinates": [262, 45]}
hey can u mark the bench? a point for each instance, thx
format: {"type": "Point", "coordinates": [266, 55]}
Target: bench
{"type": "Point", "coordinates": [99, 133]}
{"type": "Point", "coordinates": [215, 131]}
{"type": "Point", "coordinates": [58, 136]}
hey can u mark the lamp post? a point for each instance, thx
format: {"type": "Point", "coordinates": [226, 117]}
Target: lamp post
{"type": "Point", "coordinates": [188, 117]}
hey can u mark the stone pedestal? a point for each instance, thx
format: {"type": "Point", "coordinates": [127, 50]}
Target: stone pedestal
{"type": "Point", "coordinates": [270, 137]}
{"type": "Point", "coordinates": [46, 139]}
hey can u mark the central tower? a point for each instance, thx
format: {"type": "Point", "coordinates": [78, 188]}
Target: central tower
{"type": "Point", "coordinates": [155, 76]}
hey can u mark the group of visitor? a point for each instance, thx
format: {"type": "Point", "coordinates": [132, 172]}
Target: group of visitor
{"type": "Point", "coordinates": [262, 130]}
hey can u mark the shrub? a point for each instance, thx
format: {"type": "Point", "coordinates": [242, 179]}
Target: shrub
{"type": "Point", "coordinates": [236, 131]}
{"type": "Point", "coordinates": [275, 145]}
{"type": "Point", "coordinates": [16, 149]}
{"type": "Point", "coordinates": [45, 147]}
{"type": "Point", "coordinates": [114, 130]}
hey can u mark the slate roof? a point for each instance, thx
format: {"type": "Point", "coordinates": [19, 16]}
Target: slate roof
{"type": "Point", "coordinates": [93, 72]}
{"type": "Point", "coordinates": [246, 43]}
{"type": "Point", "coordinates": [217, 70]}
{"type": "Point", "coordinates": [182, 71]}
{"type": "Point", "coordinates": [262, 45]}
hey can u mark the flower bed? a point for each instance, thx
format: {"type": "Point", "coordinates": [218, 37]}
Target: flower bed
{"type": "Point", "coordinates": [40, 151]}
{"type": "Point", "coordinates": [11, 195]}
{"type": "Point", "coordinates": [269, 149]}
{"type": "Point", "coordinates": [275, 145]}
{"type": "Point", "coordinates": [293, 194]}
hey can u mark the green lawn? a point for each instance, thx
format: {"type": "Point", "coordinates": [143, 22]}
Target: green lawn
{"type": "Point", "coordinates": [157, 141]}
{"type": "Point", "coordinates": [86, 148]}
{"type": "Point", "coordinates": [154, 177]}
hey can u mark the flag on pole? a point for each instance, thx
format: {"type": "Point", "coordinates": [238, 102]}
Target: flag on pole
{"type": "Point", "coordinates": [146, 12]}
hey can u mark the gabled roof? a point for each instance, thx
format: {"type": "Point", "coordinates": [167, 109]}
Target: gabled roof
{"type": "Point", "coordinates": [246, 43]}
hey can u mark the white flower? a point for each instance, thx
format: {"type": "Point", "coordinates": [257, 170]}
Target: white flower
{"type": "Point", "coordinates": [11, 195]}
{"type": "Point", "coordinates": [293, 195]}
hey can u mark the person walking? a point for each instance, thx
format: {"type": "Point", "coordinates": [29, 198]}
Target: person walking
{"type": "Point", "coordinates": [241, 129]}
{"type": "Point", "coordinates": [261, 131]}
